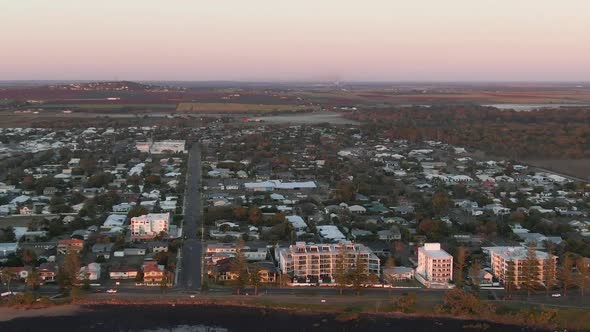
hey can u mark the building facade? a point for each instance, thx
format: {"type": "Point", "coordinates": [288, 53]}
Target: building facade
{"type": "Point", "coordinates": [508, 264]}
{"type": "Point", "coordinates": [320, 260]}
{"type": "Point", "coordinates": [160, 147]}
{"type": "Point", "coordinates": [435, 266]}
{"type": "Point", "coordinates": [149, 226]}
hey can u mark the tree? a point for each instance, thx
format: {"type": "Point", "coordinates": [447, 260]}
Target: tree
{"type": "Point", "coordinates": [358, 275]}
{"type": "Point", "coordinates": [474, 273]}
{"type": "Point", "coordinates": [139, 276]}
{"type": "Point", "coordinates": [440, 202]}
{"type": "Point", "coordinates": [86, 282]}
{"type": "Point", "coordinates": [6, 277]}
{"type": "Point", "coordinates": [340, 268]}
{"type": "Point", "coordinates": [406, 303]}
{"type": "Point", "coordinates": [254, 215]}
{"type": "Point", "coordinates": [549, 273]}
{"type": "Point", "coordinates": [583, 275]}
{"type": "Point", "coordinates": [240, 213]}
{"type": "Point", "coordinates": [255, 278]}
{"type": "Point", "coordinates": [565, 273]}
{"type": "Point", "coordinates": [277, 218]}
{"type": "Point", "coordinates": [510, 278]}
{"type": "Point", "coordinates": [238, 267]}
{"type": "Point", "coordinates": [152, 179]}
{"type": "Point", "coordinates": [390, 263]}
{"type": "Point", "coordinates": [373, 278]}
{"type": "Point", "coordinates": [164, 281]}
{"type": "Point", "coordinates": [460, 265]}
{"type": "Point", "coordinates": [68, 271]}
{"type": "Point", "coordinates": [7, 234]}
{"type": "Point", "coordinates": [345, 191]}
{"type": "Point", "coordinates": [530, 269]}
{"type": "Point", "coordinates": [460, 303]}
{"type": "Point", "coordinates": [88, 165]}
{"type": "Point", "coordinates": [33, 280]}
{"type": "Point", "coordinates": [137, 211]}
{"type": "Point", "coordinates": [29, 257]}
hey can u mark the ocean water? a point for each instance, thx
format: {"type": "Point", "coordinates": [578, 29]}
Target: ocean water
{"type": "Point", "coordinates": [208, 318]}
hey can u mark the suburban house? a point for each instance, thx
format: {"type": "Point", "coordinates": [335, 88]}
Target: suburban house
{"type": "Point", "coordinates": [8, 248]}
{"type": "Point", "coordinates": [357, 209]}
{"type": "Point", "coordinates": [90, 272]}
{"type": "Point", "coordinates": [103, 249]}
{"type": "Point", "coordinates": [18, 272]}
{"type": "Point", "coordinates": [157, 246]}
{"type": "Point", "coordinates": [123, 273]}
{"type": "Point", "coordinates": [398, 273]}
{"type": "Point", "coordinates": [64, 246]}
{"type": "Point", "coordinates": [267, 271]}
{"type": "Point", "coordinates": [47, 272]}
{"type": "Point", "coordinates": [152, 273]}
{"type": "Point", "coordinates": [271, 185]}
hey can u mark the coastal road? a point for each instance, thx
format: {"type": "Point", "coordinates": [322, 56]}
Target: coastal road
{"type": "Point", "coordinates": [192, 250]}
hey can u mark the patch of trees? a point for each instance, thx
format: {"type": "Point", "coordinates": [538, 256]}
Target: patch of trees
{"type": "Point", "coordinates": [548, 133]}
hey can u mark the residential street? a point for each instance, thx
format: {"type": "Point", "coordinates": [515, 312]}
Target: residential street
{"type": "Point", "coordinates": [192, 250]}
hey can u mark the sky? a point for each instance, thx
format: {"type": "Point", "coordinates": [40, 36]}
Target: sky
{"type": "Point", "coordinates": [285, 40]}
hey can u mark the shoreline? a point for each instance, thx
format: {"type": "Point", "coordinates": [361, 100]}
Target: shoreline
{"type": "Point", "coordinates": [10, 313]}
{"type": "Point", "coordinates": [339, 315]}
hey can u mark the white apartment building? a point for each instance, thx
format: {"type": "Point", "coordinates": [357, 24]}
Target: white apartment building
{"type": "Point", "coordinates": [508, 263]}
{"type": "Point", "coordinates": [231, 250]}
{"type": "Point", "coordinates": [435, 266]}
{"type": "Point", "coordinates": [160, 147]}
{"type": "Point", "coordinates": [149, 226]}
{"type": "Point", "coordinates": [319, 260]}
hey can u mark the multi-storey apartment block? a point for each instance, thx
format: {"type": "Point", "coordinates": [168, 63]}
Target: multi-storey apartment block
{"type": "Point", "coordinates": [435, 266]}
{"type": "Point", "coordinates": [508, 264]}
{"type": "Point", "coordinates": [149, 226]}
{"type": "Point", "coordinates": [320, 260]}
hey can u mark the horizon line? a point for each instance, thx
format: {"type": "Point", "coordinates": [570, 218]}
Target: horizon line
{"type": "Point", "coordinates": [294, 81]}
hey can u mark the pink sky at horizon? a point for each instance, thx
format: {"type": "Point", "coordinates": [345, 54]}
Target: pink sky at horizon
{"type": "Point", "coordinates": [452, 40]}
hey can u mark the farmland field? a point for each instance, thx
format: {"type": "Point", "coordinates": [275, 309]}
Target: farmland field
{"type": "Point", "coordinates": [108, 106]}
{"type": "Point", "coordinates": [574, 167]}
{"type": "Point", "coordinates": [240, 108]}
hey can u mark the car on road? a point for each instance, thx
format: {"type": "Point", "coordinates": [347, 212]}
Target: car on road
{"type": "Point", "coordinates": [111, 291]}
{"type": "Point", "coordinates": [556, 295]}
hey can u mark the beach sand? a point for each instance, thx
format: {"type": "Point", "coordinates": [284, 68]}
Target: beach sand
{"type": "Point", "coordinates": [59, 310]}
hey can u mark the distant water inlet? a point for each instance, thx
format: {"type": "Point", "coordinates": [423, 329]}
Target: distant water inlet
{"type": "Point", "coordinates": [532, 107]}
{"type": "Point", "coordinates": [188, 328]}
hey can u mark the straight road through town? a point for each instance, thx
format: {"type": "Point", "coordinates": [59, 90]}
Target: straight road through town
{"type": "Point", "coordinates": [192, 249]}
